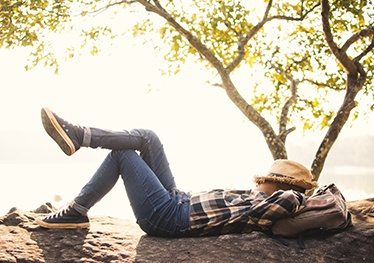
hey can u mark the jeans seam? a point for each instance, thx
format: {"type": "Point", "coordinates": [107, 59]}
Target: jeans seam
{"type": "Point", "coordinates": [144, 188]}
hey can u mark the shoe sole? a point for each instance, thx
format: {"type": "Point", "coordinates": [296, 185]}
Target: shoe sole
{"type": "Point", "coordinates": [57, 133]}
{"type": "Point", "coordinates": [61, 225]}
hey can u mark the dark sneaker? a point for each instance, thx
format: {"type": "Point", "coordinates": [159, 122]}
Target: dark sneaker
{"type": "Point", "coordinates": [66, 217]}
{"type": "Point", "coordinates": [68, 136]}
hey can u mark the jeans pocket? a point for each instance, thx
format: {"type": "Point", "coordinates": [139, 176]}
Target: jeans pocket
{"type": "Point", "coordinates": [183, 218]}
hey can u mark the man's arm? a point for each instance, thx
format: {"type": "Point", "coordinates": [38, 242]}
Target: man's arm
{"type": "Point", "coordinates": [280, 204]}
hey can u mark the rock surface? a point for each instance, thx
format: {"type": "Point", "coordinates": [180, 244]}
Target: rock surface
{"type": "Point", "coordinates": [116, 240]}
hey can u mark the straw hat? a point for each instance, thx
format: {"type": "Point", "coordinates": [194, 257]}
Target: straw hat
{"type": "Point", "coordinates": [288, 172]}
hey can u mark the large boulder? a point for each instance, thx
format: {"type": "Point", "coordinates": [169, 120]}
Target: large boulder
{"type": "Point", "coordinates": [116, 240]}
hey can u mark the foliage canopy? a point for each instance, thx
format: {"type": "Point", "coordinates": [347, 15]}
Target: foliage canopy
{"type": "Point", "coordinates": [301, 58]}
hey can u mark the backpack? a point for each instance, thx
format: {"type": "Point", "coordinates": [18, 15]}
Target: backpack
{"type": "Point", "coordinates": [325, 212]}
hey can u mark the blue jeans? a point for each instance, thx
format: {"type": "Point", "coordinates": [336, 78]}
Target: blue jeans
{"type": "Point", "coordinates": [159, 208]}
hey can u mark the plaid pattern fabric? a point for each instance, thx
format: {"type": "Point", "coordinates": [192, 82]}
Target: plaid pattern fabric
{"type": "Point", "coordinates": [234, 211]}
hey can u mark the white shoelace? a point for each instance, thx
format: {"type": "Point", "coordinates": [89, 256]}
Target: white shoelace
{"type": "Point", "coordinates": [61, 212]}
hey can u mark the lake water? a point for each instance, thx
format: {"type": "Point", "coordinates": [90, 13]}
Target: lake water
{"type": "Point", "coordinates": [27, 186]}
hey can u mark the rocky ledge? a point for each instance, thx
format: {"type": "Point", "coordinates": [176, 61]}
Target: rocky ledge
{"type": "Point", "coordinates": [116, 240]}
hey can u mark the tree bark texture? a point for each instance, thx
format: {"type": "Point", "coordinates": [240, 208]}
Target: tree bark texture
{"type": "Point", "coordinates": [356, 77]}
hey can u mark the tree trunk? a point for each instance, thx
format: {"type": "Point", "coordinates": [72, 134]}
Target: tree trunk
{"type": "Point", "coordinates": [356, 77]}
{"type": "Point", "coordinates": [353, 86]}
{"type": "Point", "coordinates": [275, 143]}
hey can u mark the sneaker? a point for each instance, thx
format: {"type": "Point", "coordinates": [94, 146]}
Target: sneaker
{"type": "Point", "coordinates": [66, 217]}
{"type": "Point", "coordinates": [68, 136]}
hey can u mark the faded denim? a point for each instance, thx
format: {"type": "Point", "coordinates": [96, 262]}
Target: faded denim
{"type": "Point", "coordinates": [139, 158]}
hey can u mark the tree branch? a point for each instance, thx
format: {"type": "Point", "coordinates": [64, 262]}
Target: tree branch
{"type": "Point", "coordinates": [276, 146]}
{"type": "Point", "coordinates": [363, 75]}
{"type": "Point", "coordinates": [283, 132]}
{"type": "Point", "coordinates": [243, 40]}
{"type": "Point", "coordinates": [366, 51]}
{"type": "Point", "coordinates": [355, 37]}
{"type": "Point", "coordinates": [283, 135]}
{"type": "Point", "coordinates": [320, 84]}
{"type": "Point", "coordinates": [197, 44]}
{"type": "Point", "coordinates": [157, 3]}
{"type": "Point", "coordinates": [331, 136]}
{"type": "Point", "coordinates": [300, 18]}
{"type": "Point", "coordinates": [340, 55]}
{"type": "Point", "coordinates": [102, 9]}
{"type": "Point", "coordinates": [356, 77]}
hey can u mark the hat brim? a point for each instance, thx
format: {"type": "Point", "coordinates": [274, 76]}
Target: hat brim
{"type": "Point", "coordinates": [286, 180]}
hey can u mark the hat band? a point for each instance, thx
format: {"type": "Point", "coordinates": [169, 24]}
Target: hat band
{"type": "Point", "coordinates": [277, 175]}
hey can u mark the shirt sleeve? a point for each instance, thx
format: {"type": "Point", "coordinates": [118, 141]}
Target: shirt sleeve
{"type": "Point", "coordinates": [280, 204]}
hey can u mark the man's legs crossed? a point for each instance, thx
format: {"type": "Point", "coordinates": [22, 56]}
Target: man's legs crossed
{"type": "Point", "coordinates": [145, 141]}
{"type": "Point", "coordinates": [157, 209]}
{"type": "Point", "coordinates": [71, 137]}
{"type": "Point", "coordinates": [157, 174]}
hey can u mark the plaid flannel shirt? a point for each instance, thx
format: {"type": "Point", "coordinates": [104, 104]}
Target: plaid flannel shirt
{"type": "Point", "coordinates": [234, 211]}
